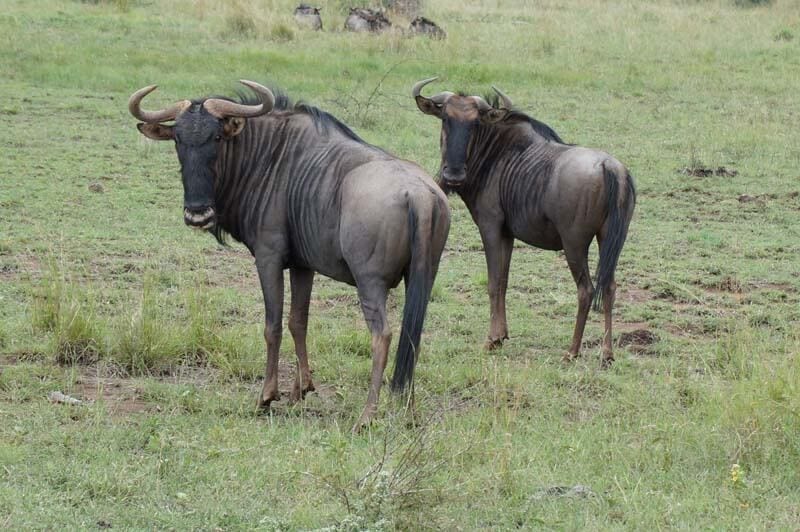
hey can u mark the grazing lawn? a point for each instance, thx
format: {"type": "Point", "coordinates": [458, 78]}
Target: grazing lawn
{"type": "Point", "coordinates": [107, 297]}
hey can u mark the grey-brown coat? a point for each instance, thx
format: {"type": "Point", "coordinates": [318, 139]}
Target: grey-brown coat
{"type": "Point", "coordinates": [520, 180]}
{"type": "Point", "coordinates": [305, 193]}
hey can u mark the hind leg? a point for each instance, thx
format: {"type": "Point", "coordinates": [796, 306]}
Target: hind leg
{"type": "Point", "coordinates": [609, 294]}
{"type": "Point", "coordinates": [578, 261]}
{"type": "Point", "coordinates": [301, 283]}
{"type": "Point", "coordinates": [373, 304]}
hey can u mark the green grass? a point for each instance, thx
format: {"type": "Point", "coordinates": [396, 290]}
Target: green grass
{"type": "Point", "coordinates": [106, 296]}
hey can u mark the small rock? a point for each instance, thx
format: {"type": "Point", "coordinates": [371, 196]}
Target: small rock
{"type": "Point", "coordinates": [96, 187]}
{"type": "Point", "coordinates": [577, 491]}
{"type": "Point", "coordinates": [58, 397]}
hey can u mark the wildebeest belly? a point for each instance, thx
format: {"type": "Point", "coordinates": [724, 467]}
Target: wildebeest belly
{"type": "Point", "coordinates": [338, 271]}
{"type": "Point", "coordinates": [539, 232]}
{"type": "Point", "coordinates": [316, 247]}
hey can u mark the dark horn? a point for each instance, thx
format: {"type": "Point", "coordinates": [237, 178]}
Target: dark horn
{"type": "Point", "coordinates": [164, 115]}
{"type": "Point", "coordinates": [507, 103]}
{"type": "Point", "coordinates": [225, 108]}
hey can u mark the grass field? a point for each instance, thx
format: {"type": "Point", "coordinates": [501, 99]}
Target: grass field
{"type": "Point", "coordinates": [107, 297]}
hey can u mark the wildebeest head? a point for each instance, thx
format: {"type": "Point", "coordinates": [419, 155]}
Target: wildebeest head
{"type": "Point", "coordinates": [199, 130]}
{"type": "Point", "coordinates": [460, 116]}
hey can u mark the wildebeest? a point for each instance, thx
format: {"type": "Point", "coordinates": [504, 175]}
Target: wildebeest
{"type": "Point", "coordinates": [302, 191]}
{"type": "Point", "coordinates": [308, 17]}
{"type": "Point", "coordinates": [363, 19]}
{"type": "Point", "coordinates": [520, 180]}
{"type": "Point", "coordinates": [424, 26]}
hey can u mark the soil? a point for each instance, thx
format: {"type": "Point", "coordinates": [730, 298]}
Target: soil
{"type": "Point", "coordinates": [122, 395]}
{"type": "Point", "coordinates": [119, 395]}
{"type": "Point", "coordinates": [637, 339]}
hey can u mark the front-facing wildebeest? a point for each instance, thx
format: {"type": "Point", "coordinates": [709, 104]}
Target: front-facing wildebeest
{"type": "Point", "coordinates": [303, 192]}
{"type": "Point", "coordinates": [520, 180]}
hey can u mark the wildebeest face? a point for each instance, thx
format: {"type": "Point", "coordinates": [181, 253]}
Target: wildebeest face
{"type": "Point", "coordinates": [197, 135]}
{"type": "Point", "coordinates": [197, 139]}
{"type": "Point", "coordinates": [200, 130]}
{"type": "Point", "coordinates": [460, 116]}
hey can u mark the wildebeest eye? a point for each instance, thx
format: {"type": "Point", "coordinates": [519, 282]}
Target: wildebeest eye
{"type": "Point", "coordinates": [218, 137]}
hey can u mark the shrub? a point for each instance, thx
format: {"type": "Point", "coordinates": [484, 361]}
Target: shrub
{"type": "Point", "coordinates": [67, 311]}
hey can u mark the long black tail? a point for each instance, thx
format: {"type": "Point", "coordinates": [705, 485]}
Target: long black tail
{"type": "Point", "coordinates": [618, 219]}
{"type": "Point", "coordinates": [419, 283]}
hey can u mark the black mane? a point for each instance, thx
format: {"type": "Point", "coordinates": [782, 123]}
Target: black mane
{"type": "Point", "coordinates": [322, 119]}
{"type": "Point", "coordinates": [540, 127]}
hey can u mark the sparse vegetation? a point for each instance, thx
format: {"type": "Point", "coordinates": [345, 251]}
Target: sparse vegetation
{"type": "Point", "coordinates": [109, 299]}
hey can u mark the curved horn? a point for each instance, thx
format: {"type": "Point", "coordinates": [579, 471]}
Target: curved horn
{"type": "Point", "coordinates": [438, 99]}
{"type": "Point", "coordinates": [507, 103]}
{"type": "Point", "coordinates": [163, 115]}
{"type": "Point", "coordinates": [224, 108]}
{"type": "Point", "coordinates": [417, 88]}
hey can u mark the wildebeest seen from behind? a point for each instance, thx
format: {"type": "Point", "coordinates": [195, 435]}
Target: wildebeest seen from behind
{"type": "Point", "coordinates": [303, 192]}
{"type": "Point", "coordinates": [520, 180]}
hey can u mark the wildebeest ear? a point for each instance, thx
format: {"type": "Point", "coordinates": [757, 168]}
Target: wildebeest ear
{"type": "Point", "coordinates": [233, 126]}
{"type": "Point", "coordinates": [157, 131]}
{"type": "Point", "coordinates": [493, 116]}
{"type": "Point", "coordinates": [427, 106]}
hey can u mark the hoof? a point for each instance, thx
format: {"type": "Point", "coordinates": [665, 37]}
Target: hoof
{"type": "Point", "coordinates": [493, 343]}
{"type": "Point", "coordinates": [361, 426]}
{"type": "Point", "coordinates": [299, 394]}
{"type": "Point", "coordinates": [569, 356]}
{"type": "Point", "coordinates": [364, 421]}
{"type": "Point", "coordinates": [264, 402]}
{"type": "Point", "coordinates": [606, 362]}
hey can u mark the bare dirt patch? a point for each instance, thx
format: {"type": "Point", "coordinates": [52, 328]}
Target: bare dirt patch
{"type": "Point", "coordinates": [729, 284]}
{"type": "Point", "coordinates": [19, 265]}
{"type": "Point", "coordinates": [638, 340]}
{"type": "Point", "coordinates": [766, 285]}
{"type": "Point", "coordinates": [634, 295]}
{"type": "Point", "coordinates": [121, 396]}
{"type": "Point", "coordinates": [634, 335]}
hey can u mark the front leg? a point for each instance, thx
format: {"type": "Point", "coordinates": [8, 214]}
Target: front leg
{"type": "Point", "coordinates": [301, 282]}
{"type": "Point", "coordinates": [271, 276]}
{"type": "Point", "coordinates": [497, 245]}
